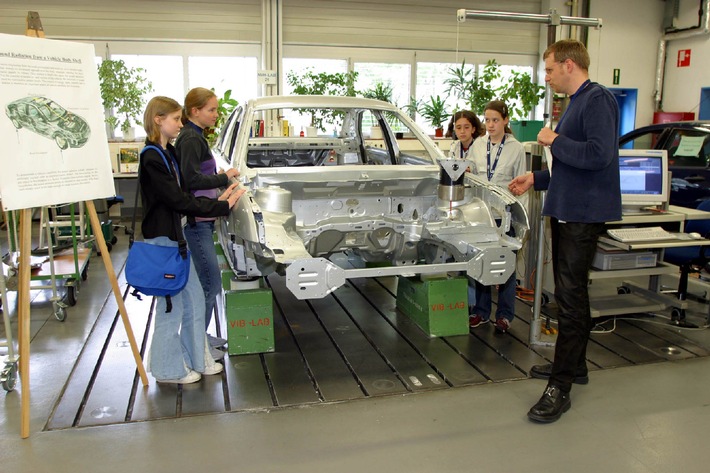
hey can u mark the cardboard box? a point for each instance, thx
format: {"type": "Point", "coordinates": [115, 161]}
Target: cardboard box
{"type": "Point", "coordinates": [437, 306]}
{"type": "Point", "coordinates": [249, 316]}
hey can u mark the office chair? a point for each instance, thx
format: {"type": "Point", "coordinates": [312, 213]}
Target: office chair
{"type": "Point", "coordinates": [118, 199]}
{"type": "Point", "coordinates": [690, 259]}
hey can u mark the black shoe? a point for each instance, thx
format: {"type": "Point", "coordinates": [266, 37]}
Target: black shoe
{"type": "Point", "coordinates": [544, 372]}
{"type": "Point", "coordinates": [551, 405]}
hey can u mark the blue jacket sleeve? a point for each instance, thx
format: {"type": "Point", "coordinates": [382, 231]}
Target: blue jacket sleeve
{"type": "Point", "coordinates": [592, 147]}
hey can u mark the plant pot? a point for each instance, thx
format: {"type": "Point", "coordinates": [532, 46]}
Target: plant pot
{"type": "Point", "coordinates": [439, 132]}
{"type": "Point", "coordinates": [311, 131]}
{"type": "Point", "coordinates": [526, 130]}
{"type": "Point", "coordinates": [129, 133]}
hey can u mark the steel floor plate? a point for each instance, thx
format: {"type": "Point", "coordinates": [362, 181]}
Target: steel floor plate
{"type": "Point", "coordinates": [350, 345]}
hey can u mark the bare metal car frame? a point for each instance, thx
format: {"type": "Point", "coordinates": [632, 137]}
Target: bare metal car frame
{"type": "Point", "coordinates": [309, 198]}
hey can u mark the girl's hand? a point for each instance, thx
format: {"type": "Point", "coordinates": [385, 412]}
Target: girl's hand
{"type": "Point", "coordinates": [232, 194]}
{"type": "Point", "coordinates": [231, 173]}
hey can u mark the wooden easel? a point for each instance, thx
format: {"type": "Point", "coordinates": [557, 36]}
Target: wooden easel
{"type": "Point", "coordinates": [34, 29]}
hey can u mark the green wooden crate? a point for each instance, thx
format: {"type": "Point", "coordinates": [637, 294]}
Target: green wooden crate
{"type": "Point", "coordinates": [250, 321]}
{"type": "Point", "coordinates": [439, 306]}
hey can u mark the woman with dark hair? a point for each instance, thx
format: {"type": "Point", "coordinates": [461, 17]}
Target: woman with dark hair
{"type": "Point", "coordinates": [464, 127]}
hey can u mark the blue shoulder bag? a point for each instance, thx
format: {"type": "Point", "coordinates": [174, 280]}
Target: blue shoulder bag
{"type": "Point", "coordinates": [156, 270]}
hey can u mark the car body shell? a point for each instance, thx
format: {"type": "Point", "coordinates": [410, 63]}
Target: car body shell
{"type": "Point", "coordinates": [49, 119]}
{"type": "Point", "coordinates": [390, 210]}
{"type": "Point", "coordinates": [688, 147]}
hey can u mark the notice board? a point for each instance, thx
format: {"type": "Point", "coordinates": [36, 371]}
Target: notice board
{"type": "Point", "coordinates": [52, 128]}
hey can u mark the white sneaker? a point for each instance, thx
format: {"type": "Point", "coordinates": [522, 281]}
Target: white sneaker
{"type": "Point", "coordinates": [191, 377]}
{"type": "Point", "coordinates": [213, 368]}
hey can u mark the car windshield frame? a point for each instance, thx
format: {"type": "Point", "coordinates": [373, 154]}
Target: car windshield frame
{"type": "Point", "coordinates": [357, 135]}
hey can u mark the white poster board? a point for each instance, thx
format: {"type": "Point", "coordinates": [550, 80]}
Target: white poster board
{"type": "Point", "coordinates": [52, 129]}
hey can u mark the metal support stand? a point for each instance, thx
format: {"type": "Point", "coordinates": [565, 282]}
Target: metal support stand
{"type": "Point", "coordinates": [8, 376]}
{"type": "Point", "coordinates": [553, 20]}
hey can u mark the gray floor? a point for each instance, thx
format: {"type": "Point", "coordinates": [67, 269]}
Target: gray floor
{"type": "Point", "coordinates": [642, 417]}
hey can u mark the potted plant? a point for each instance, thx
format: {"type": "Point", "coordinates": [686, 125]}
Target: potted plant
{"type": "Point", "coordinates": [412, 108]}
{"type": "Point", "coordinates": [225, 106]}
{"type": "Point", "coordinates": [383, 92]}
{"type": "Point", "coordinates": [435, 112]}
{"type": "Point", "coordinates": [322, 83]}
{"type": "Point", "coordinates": [380, 91]}
{"type": "Point", "coordinates": [123, 92]}
{"type": "Point", "coordinates": [474, 89]}
{"type": "Point", "coordinates": [522, 95]}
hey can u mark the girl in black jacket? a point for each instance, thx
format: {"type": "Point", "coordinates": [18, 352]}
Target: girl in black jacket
{"type": "Point", "coordinates": [178, 352]}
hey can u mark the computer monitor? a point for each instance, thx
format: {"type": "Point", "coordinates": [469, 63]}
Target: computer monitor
{"type": "Point", "coordinates": [644, 179]}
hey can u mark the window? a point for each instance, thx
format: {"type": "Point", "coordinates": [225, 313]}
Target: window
{"type": "Point", "coordinates": [298, 66]}
{"type": "Point", "coordinates": [164, 72]}
{"type": "Point", "coordinates": [431, 81]}
{"type": "Point", "coordinates": [396, 76]}
{"type": "Point", "coordinates": [237, 74]}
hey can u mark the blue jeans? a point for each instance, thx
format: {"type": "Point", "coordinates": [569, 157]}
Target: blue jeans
{"type": "Point", "coordinates": [201, 244]}
{"type": "Point", "coordinates": [506, 300]}
{"type": "Point", "coordinates": [179, 336]}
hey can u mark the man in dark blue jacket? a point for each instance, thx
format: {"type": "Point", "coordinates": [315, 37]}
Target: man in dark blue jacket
{"type": "Point", "coordinates": [582, 193]}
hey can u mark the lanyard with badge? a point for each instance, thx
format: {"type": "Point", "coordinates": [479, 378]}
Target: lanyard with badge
{"type": "Point", "coordinates": [490, 170]}
{"type": "Point", "coordinates": [464, 152]}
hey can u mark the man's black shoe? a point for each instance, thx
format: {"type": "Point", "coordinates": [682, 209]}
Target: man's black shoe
{"type": "Point", "coordinates": [544, 372]}
{"type": "Point", "coordinates": [551, 405]}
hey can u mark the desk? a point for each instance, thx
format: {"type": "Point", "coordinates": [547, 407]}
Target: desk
{"type": "Point", "coordinates": [630, 297]}
{"type": "Point", "coordinates": [690, 214]}
{"type": "Point", "coordinates": [125, 184]}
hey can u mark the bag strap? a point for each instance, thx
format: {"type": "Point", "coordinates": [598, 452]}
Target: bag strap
{"type": "Point", "coordinates": [182, 244]}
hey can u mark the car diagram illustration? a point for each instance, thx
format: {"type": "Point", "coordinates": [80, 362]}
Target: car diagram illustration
{"type": "Point", "coordinates": [49, 119]}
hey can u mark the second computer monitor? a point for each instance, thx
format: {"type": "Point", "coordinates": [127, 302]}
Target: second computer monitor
{"type": "Point", "coordinates": [644, 179]}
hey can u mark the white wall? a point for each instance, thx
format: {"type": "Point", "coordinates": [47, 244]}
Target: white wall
{"type": "Point", "coordinates": [682, 84]}
{"type": "Point", "coordinates": [628, 40]}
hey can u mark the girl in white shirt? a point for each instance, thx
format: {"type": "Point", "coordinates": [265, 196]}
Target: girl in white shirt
{"type": "Point", "coordinates": [467, 128]}
{"type": "Point", "coordinates": [498, 157]}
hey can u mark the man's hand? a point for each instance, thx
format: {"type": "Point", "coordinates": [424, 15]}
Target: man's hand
{"type": "Point", "coordinates": [520, 184]}
{"type": "Point", "coordinates": [546, 136]}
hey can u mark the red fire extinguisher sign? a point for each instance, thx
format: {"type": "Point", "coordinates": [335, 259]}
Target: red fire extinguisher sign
{"type": "Point", "coordinates": [683, 57]}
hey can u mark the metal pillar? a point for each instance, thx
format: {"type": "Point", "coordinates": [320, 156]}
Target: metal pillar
{"type": "Point", "coordinates": [552, 20]}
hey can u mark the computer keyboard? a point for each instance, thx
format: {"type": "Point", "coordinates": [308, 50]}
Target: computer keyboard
{"type": "Point", "coordinates": [640, 234]}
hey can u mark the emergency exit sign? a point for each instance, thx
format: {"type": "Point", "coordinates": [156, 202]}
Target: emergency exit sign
{"type": "Point", "coordinates": [683, 58]}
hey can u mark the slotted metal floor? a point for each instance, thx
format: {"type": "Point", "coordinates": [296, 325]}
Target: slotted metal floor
{"type": "Point", "coordinates": [350, 345]}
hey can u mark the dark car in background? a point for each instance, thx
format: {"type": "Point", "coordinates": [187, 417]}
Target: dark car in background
{"type": "Point", "coordinates": [688, 146]}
